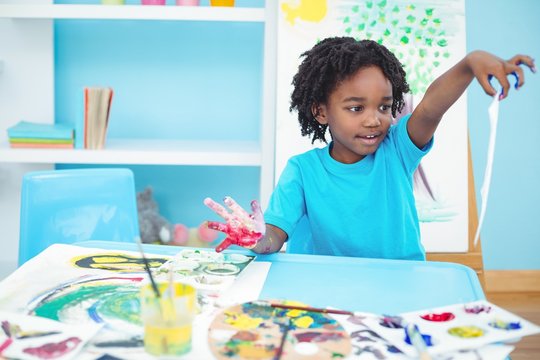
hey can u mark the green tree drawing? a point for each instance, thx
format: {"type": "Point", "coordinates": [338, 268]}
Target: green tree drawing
{"type": "Point", "coordinates": [414, 33]}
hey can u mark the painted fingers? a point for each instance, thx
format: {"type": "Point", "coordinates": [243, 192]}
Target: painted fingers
{"type": "Point", "coordinates": [501, 72]}
{"type": "Point", "coordinates": [224, 244]}
{"type": "Point", "coordinates": [241, 228]}
{"type": "Point", "coordinates": [257, 216]}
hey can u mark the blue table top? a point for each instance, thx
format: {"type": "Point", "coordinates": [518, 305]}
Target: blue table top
{"type": "Point", "coordinates": [356, 284]}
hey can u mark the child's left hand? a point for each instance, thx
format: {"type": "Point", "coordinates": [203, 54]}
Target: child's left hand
{"type": "Point", "coordinates": [241, 228]}
{"type": "Point", "coordinates": [485, 66]}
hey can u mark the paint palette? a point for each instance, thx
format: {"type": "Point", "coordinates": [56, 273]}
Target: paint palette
{"type": "Point", "coordinates": [368, 345]}
{"type": "Point", "coordinates": [205, 270]}
{"type": "Point", "coordinates": [255, 330]}
{"type": "Point", "coordinates": [454, 327]}
{"type": "Point", "coordinates": [31, 337]}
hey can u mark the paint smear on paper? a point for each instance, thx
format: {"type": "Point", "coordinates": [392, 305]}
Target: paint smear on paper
{"type": "Point", "coordinates": [117, 262]}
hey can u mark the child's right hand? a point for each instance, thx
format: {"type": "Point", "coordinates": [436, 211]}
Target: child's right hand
{"type": "Point", "coordinates": [241, 228]}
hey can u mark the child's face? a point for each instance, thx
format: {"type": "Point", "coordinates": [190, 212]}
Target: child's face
{"type": "Point", "coordinates": [358, 113]}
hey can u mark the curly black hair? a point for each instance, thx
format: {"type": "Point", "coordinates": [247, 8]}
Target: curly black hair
{"type": "Point", "coordinates": [332, 61]}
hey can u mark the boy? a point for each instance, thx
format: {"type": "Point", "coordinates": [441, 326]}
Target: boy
{"type": "Point", "coordinates": [357, 192]}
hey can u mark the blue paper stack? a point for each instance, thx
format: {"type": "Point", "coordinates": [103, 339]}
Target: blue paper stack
{"type": "Point", "coordinates": [27, 134]}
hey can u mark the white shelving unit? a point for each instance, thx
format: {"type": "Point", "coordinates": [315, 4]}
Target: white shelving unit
{"type": "Point", "coordinates": [147, 152]}
{"type": "Point", "coordinates": [26, 52]}
{"type": "Point", "coordinates": [140, 151]}
{"type": "Point", "coordinates": [131, 12]}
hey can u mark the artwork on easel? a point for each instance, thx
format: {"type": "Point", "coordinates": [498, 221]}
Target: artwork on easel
{"type": "Point", "coordinates": [29, 337]}
{"type": "Point", "coordinates": [454, 327]}
{"type": "Point", "coordinates": [257, 330]}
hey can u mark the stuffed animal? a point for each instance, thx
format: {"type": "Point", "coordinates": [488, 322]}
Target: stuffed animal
{"type": "Point", "coordinates": [154, 228]}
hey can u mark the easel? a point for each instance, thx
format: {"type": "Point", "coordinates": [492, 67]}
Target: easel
{"type": "Point", "coordinates": [473, 257]}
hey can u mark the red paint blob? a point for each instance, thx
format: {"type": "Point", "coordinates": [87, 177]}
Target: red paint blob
{"type": "Point", "coordinates": [53, 350]}
{"type": "Point", "coordinates": [446, 316]}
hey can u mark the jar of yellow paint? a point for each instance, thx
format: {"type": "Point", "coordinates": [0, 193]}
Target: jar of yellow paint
{"type": "Point", "coordinates": [168, 319]}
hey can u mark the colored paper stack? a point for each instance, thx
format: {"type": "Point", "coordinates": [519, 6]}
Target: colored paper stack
{"type": "Point", "coordinates": [27, 134]}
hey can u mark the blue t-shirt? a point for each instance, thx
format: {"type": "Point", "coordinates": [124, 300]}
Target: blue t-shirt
{"type": "Point", "coordinates": [365, 209]}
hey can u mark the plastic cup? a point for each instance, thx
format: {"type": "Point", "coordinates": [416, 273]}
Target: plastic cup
{"type": "Point", "coordinates": [168, 319]}
{"type": "Point", "coordinates": [222, 2]}
{"type": "Point", "coordinates": [188, 2]}
{"type": "Point", "coordinates": [153, 2]}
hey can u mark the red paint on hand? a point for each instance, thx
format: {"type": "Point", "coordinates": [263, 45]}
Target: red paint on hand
{"type": "Point", "coordinates": [241, 228]}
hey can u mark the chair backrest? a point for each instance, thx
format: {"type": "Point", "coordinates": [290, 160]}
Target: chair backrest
{"type": "Point", "coordinates": [67, 206]}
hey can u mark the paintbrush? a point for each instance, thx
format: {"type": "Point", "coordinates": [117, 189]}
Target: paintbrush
{"type": "Point", "coordinates": [417, 341]}
{"type": "Point", "coordinates": [147, 267]}
{"type": "Point", "coordinates": [285, 325]}
{"type": "Point", "coordinates": [169, 304]}
{"type": "Point", "coordinates": [311, 309]}
{"type": "Point", "coordinates": [7, 330]}
{"type": "Point", "coordinates": [5, 345]}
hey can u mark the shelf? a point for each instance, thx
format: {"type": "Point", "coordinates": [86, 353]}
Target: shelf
{"type": "Point", "coordinates": [131, 12]}
{"type": "Point", "coordinates": [145, 152]}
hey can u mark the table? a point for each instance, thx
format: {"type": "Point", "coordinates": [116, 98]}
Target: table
{"type": "Point", "coordinates": [368, 285]}
{"type": "Point", "coordinates": [375, 286]}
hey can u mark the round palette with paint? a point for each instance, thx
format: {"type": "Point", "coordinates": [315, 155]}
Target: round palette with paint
{"type": "Point", "coordinates": [256, 330]}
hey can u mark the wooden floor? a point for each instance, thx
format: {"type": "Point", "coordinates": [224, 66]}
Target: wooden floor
{"type": "Point", "coordinates": [526, 305]}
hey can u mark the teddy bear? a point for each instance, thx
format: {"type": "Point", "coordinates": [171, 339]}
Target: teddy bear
{"type": "Point", "coordinates": [154, 228]}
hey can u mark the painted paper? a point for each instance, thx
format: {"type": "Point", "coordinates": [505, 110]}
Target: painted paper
{"type": "Point", "coordinates": [33, 338]}
{"type": "Point", "coordinates": [94, 287]}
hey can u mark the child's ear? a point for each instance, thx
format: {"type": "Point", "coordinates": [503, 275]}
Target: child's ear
{"type": "Point", "coordinates": [319, 113]}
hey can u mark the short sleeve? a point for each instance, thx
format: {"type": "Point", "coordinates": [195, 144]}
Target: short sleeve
{"type": "Point", "coordinates": [408, 152]}
{"type": "Point", "coordinates": [287, 204]}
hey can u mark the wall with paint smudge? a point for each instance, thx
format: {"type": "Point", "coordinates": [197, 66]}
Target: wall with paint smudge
{"type": "Point", "coordinates": [511, 232]}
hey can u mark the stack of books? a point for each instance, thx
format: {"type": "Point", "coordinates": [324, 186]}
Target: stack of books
{"type": "Point", "coordinates": [92, 129]}
{"type": "Point", "coordinates": [27, 134]}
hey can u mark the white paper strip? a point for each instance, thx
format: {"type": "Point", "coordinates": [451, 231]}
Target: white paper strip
{"type": "Point", "coordinates": [493, 112]}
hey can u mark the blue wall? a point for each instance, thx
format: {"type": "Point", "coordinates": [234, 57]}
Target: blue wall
{"type": "Point", "coordinates": [511, 232]}
{"type": "Point", "coordinates": [174, 79]}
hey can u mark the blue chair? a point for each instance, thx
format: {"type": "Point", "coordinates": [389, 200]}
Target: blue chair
{"type": "Point", "coordinates": [67, 206]}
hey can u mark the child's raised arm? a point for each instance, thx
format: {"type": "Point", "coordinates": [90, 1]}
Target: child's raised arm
{"type": "Point", "coordinates": [243, 229]}
{"type": "Point", "coordinates": [447, 88]}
